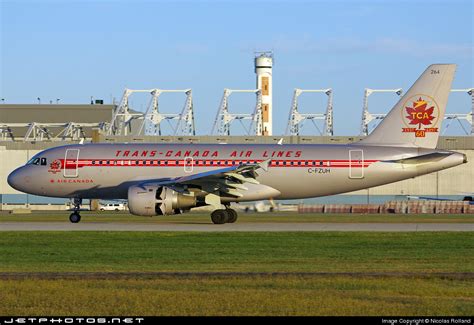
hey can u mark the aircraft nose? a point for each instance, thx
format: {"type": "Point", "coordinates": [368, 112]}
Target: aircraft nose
{"type": "Point", "coordinates": [14, 179]}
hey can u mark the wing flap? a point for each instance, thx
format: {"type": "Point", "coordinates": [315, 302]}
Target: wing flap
{"type": "Point", "coordinates": [228, 181]}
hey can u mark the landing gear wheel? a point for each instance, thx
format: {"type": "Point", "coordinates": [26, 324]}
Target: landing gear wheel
{"type": "Point", "coordinates": [219, 217]}
{"type": "Point", "coordinates": [75, 217]}
{"type": "Point", "coordinates": [232, 215]}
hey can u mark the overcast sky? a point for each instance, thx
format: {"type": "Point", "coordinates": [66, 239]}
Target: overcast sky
{"type": "Point", "coordinates": [73, 50]}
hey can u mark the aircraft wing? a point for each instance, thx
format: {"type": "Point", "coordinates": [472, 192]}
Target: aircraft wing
{"type": "Point", "coordinates": [225, 180]}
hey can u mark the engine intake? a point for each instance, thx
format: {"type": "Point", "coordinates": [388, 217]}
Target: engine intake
{"type": "Point", "coordinates": [157, 200]}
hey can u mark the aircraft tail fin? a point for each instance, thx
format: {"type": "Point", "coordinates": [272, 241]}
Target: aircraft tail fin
{"type": "Point", "coordinates": [415, 121]}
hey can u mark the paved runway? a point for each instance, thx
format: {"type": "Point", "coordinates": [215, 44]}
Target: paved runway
{"type": "Point", "coordinates": [241, 227]}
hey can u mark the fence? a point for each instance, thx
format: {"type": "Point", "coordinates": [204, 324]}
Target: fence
{"type": "Point", "coordinates": [398, 207]}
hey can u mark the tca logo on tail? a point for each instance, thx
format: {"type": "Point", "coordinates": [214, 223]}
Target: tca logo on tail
{"type": "Point", "coordinates": [422, 112]}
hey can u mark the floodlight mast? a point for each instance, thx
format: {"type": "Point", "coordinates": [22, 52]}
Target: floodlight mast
{"type": "Point", "coordinates": [468, 117]}
{"type": "Point", "coordinates": [152, 118]}
{"type": "Point", "coordinates": [296, 119]}
{"type": "Point", "coordinates": [368, 117]}
{"type": "Point", "coordinates": [224, 118]}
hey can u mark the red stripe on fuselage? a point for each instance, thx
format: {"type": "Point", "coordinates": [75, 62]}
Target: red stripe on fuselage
{"type": "Point", "coordinates": [72, 164]}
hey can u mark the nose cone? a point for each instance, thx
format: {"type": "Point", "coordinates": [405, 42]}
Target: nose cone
{"type": "Point", "coordinates": [16, 179]}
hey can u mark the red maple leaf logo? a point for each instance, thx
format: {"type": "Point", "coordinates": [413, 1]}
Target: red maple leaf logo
{"type": "Point", "coordinates": [55, 164]}
{"type": "Point", "coordinates": [419, 114]}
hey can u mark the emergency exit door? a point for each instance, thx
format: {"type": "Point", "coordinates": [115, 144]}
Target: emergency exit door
{"type": "Point", "coordinates": [188, 164]}
{"type": "Point", "coordinates": [356, 164]}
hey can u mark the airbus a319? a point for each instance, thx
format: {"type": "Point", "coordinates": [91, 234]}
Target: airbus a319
{"type": "Point", "coordinates": [164, 179]}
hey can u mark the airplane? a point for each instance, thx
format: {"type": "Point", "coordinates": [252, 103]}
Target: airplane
{"type": "Point", "coordinates": [165, 179]}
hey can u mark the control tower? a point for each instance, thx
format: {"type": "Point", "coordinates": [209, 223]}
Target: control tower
{"type": "Point", "coordinates": [263, 69]}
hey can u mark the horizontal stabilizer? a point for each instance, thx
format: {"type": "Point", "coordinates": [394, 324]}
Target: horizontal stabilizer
{"type": "Point", "coordinates": [431, 157]}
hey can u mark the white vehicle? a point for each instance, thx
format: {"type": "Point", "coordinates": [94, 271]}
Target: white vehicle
{"type": "Point", "coordinates": [113, 207]}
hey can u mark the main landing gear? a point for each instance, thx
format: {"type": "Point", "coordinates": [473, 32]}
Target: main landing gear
{"type": "Point", "coordinates": [75, 217]}
{"type": "Point", "coordinates": [222, 216]}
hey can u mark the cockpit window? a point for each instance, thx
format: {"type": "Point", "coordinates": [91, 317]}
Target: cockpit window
{"type": "Point", "coordinates": [38, 161]}
{"type": "Point", "coordinates": [34, 161]}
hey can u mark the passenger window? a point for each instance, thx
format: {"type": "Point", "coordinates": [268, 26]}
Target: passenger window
{"type": "Point", "coordinates": [43, 161]}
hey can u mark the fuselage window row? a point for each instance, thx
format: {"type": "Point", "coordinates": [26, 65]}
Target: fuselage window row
{"type": "Point", "coordinates": [42, 161]}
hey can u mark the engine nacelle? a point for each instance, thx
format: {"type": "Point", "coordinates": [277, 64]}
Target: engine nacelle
{"type": "Point", "coordinates": [157, 200]}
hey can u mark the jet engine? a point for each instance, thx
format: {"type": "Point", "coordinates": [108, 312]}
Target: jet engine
{"type": "Point", "coordinates": [158, 200]}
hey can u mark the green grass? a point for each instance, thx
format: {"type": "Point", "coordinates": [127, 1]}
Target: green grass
{"type": "Point", "coordinates": [425, 253]}
{"type": "Point", "coordinates": [239, 252]}
{"type": "Point", "coordinates": [290, 295]}
{"type": "Point", "coordinates": [283, 217]}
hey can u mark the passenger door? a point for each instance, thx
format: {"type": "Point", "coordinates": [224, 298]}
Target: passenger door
{"type": "Point", "coordinates": [71, 163]}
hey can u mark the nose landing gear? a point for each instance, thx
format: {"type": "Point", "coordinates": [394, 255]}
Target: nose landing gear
{"type": "Point", "coordinates": [75, 217]}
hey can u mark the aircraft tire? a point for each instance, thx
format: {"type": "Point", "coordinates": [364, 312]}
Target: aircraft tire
{"type": "Point", "coordinates": [219, 217]}
{"type": "Point", "coordinates": [75, 217]}
{"type": "Point", "coordinates": [232, 215]}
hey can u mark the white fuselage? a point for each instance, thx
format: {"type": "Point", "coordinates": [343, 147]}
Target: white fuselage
{"type": "Point", "coordinates": [106, 171]}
